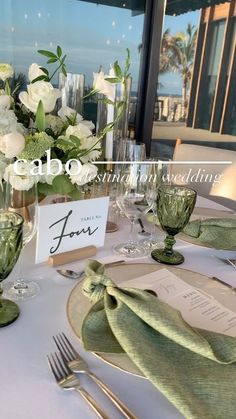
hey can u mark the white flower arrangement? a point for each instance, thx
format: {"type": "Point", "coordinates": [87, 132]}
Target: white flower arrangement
{"type": "Point", "coordinates": [56, 151]}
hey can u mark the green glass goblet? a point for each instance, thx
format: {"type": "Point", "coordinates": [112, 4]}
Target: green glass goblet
{"type": "Point", "coordinates": [175, 205]}
{"type": "Point", "coordinates": [11, 233]}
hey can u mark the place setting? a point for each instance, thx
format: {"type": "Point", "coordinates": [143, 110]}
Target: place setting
{"type": "Point", "coordinates": [102, 224]}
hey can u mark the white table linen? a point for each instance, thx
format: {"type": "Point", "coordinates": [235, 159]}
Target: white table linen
{"type": "Point", "coordinates": [27, 389]}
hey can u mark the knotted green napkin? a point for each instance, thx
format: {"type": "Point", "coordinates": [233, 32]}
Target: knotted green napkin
{"type": "Point", "coordinates": [195, 369]}
{"type": "Point", "coordinates": [219, 233]}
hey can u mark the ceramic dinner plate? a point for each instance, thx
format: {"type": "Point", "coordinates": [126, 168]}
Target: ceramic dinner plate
{"type": "Point", "coordinates": [78, 305]}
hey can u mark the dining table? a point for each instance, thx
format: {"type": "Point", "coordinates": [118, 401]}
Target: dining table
{"type": "Point", "coordinates": [27, 387]}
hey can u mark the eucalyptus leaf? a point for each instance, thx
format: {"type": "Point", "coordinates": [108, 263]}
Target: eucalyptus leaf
{"type": "Point", "coordinates": [62, 185]}
{"type": "Point", "coordinates": [75, 194]}
{"type": "Point", "coordinates": [40, 117]}
{"type": "Point", "coordinates": [48, 54]}
{"type": "Point", "coordinates": [112, 79]}
{"type": "Point", "coordinates": [118, 71]}
{"type": "Point", "coordinates": [39, 78]}
{"type": "Point", "coordinates": [75, 140]}
{"type": "Point", "coordinates": [59, 51]}
{"type": "Point", "coordinates": [44, 70]}
{"type": "Point", "coordinates": [64, 71]}
{"type": "Point", "coordinates": [45, 189]}
{"type": "Point", "coordinates": [52, 60]}
{"type": "Point", "coordinates": [65, 144]}
{"type": "Point", "coordinates": [63, 59]}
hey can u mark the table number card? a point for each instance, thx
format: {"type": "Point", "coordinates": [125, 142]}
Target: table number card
{"type": "Point", "coordinates": [70, 225]}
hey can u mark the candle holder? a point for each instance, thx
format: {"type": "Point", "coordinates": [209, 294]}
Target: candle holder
{"type": "Point", "coordinates": [109, 166]}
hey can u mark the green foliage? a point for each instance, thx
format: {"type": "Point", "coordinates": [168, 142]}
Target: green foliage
{"type": "Point", "coordinates": [40, 117]}
{"type": "Point", "coordinates": [75, 194]}
{"type": "Point", "coordinates": [36, 146]}
{"type": "Point", "coordinates": [68, 144]}
{"type": "Point", "coordinates": [45, 189]}
{"type": "Point", "coordinates": [53, 58]}
{"type": "Point", "coordinates": [62, 185]}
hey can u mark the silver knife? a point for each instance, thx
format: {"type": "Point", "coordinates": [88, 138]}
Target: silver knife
{"type": "Point", "coordinates": [224, 283]}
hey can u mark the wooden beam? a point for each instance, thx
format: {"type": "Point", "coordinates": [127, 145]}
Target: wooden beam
{"type": "Point", "coordinates": [222, 74]}
{"type": "Point", "coordinates": [203, 70]}
{"type": "Point", "coordinates": [153, 24]}
{"type": "Point", "coordinates": [229, 95]}
{"type": "Point", "coordinates": [196, 66]}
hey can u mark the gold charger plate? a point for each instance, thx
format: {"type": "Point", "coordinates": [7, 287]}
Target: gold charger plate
{"type": "Point", "coordinates": [203, 214]}
{"type": "Point", "coordinates": [78, 305]}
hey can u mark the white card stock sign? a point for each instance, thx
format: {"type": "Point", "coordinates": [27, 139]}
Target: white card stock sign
{"type": "Point", "coordinates": [70, 225]}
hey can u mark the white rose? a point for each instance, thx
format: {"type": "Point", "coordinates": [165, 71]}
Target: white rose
{"type": "Point", "coordinates": [11, 145]}
{"type": "Point", "coordinates": [40, 90]}
{"type": "Point", "coordinates": [6, 71]}
{"type": "Point", "coordinates": [103, 86]}
{"type": "Point", "coordinates": [34, 72]}
{"type": "Point", "coordinates": [87, 173]}
{"type": "Point", "coordinates": [8, 122]}
{"type": "Point", "coordinates": [88, 124]}
{"type": "Point", "coordinates": [50, 171]}
{"type": "Point", "coordinates": [79, 131]}
{"type": "Point", "coordinates": [95, 146]}
{"type": "Point", "coordinates": [54, 123]}
{"type": "Point", "coordinates": [67, 112]}
{"type": "Point", "coordinates": [5, 101]}
{"type": "Point", "coordinates": [25, 180]}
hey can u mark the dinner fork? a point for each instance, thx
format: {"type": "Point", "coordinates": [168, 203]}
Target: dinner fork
{"type": "Point", "coordinates": [78, 365]}
{"type": "Point", "coordinates": [67, 380]}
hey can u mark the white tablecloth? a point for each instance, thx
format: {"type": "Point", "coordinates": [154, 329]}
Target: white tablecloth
{"type": "Point", "coordinates": [27, 389]}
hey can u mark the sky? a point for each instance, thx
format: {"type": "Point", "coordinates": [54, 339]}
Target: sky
{"type": "Point", "coordinates": [91, 35]}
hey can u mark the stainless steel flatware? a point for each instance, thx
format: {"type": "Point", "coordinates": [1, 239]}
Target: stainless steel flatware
{"type": "Point", "coordinates": [224, 283]}
{"type": "Point", "coordinates": [67, 273]}
{"type": "Point", "coordinates": [67, 380]}
{"type": "Point", "coordinates": [76, 363]}
{"type": "Point", "coordinates": [228, 261]}
{"type": "Point", "coordinates": [231, 262]}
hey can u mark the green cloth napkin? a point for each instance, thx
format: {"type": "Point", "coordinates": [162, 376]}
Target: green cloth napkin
{"type": "Point", "coordinates": [195, 369]}
{"type": "Point", "coordinates": [219, 233]}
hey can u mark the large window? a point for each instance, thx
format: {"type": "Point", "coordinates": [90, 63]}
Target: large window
{"type": "Point", "coordinates": [92, 35]}
{"type": "Point", "coordinates": [196, 99]}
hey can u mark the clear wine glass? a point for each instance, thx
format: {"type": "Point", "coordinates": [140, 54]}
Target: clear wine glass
{"type": "Point", "coordinates": [11, 229]}
{"type": "Point", "coordinates": [132, 203]}
{"type": "Point", "coordinates": [154, 172]}
{"type": "Point", "coordinates": [25, 203]}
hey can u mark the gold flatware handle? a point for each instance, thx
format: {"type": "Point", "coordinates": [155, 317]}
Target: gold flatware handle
{"type": "Point", "coordinates": [117, 402]}
{"type": "Point", "coordinates": [92, 403]}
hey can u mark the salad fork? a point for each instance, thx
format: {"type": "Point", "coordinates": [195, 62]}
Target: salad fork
{"type": "Point", "coordinates": [77, 364]}
{"type": "Point", "coordinates": [67, 380]}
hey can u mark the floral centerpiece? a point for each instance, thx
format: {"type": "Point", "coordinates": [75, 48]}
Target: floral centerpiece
{"type": "Point", "coordinates": [56, 150]}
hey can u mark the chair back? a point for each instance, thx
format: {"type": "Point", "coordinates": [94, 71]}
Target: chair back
{"type": "Point", "coordinates": [207, 179]}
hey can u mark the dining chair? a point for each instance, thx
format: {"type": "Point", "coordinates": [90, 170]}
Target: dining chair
{"type": "Point", "coordinates": [208, 179]}
{"type": "Point", "coordinates": [225, 191]}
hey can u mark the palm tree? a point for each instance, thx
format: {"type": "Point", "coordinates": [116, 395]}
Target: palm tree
{"type": "Point", "coordinates": [181, 48]}
{"type": "Point", "coordinates": [177, 54]}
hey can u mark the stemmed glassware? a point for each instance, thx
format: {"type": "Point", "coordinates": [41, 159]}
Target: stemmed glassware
{"type": "Point", "coordinates": [25, 203]}
{"type": "Point", "coordinates": [11, 232]}
{"type": "Point", "coordinates": [175, 205]}
{"type": "Point", "coordinates": [132, 203]}
{"type": "Point", "coordinates": [154, 172]}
